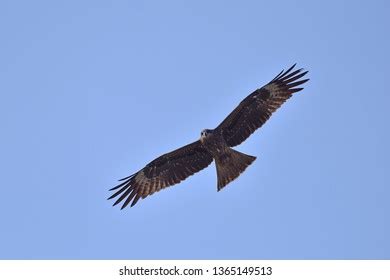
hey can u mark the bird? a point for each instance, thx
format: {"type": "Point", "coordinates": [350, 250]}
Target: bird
{"type": "Point", "coordinates": [214, 144]}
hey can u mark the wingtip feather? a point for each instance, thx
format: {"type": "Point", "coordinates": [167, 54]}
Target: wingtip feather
{"type": "Point", "coordinates": [128, 177]}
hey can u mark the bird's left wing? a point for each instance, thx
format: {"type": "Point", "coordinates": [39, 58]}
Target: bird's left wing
{"type": "Point", "coordinates": [257, 107]}
{"type": "Point", "coordinates": [166, 170]}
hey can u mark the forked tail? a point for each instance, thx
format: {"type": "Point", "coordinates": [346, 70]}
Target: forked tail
{"type": "Point", "coordinates": [230, 165]}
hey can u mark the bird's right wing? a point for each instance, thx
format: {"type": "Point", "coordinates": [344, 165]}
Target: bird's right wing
{"type": "Point", "coordinates": [166, 170]}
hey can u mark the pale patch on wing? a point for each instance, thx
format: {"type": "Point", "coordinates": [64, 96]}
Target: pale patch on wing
{"type": "Point", "coordinates": [273, 89]}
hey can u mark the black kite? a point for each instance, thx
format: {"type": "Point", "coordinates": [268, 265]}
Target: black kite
{"type": "Point", "coordinates": [214, 144]}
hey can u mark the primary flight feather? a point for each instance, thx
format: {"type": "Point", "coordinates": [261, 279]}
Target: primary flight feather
{"type": "Point", "coordinates": [214, 144]}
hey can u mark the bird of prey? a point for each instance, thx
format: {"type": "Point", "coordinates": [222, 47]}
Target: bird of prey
{"type": "Point", "coordinates": [214, 144]}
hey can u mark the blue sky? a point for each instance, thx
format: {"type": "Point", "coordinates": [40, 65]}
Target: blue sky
{"type": "Point", "coordinates": [91, 91]}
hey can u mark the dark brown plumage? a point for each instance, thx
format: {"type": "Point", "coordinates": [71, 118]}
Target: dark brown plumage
{"type": "Point", "coordinates": [164, 171]}
{"type": "Point", "coordinates": [258, 107]}
{"type": "Point", "coordinates": [249, 115]}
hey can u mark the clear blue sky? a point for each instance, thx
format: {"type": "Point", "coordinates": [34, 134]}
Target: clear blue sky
{"type": "Point", "coordinates": [91, 91]}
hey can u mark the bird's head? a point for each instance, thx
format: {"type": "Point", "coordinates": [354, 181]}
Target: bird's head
{"type": "Point", "coordinates": [205, 133]}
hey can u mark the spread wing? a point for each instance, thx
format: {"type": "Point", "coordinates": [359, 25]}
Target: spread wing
{"type": "Point", "coordinates": [257, 107]}
{"type": "Point", "coordinates": [166, 170]}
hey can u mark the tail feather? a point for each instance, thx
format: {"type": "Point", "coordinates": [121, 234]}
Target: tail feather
{"type": "Point", "coordinates": [230, 165]}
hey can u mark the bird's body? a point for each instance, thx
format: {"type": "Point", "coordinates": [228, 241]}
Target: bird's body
{"type": "Point", "coordinates": [230, 163]}
{"type": "Point", "coordinates": [214, 144]}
